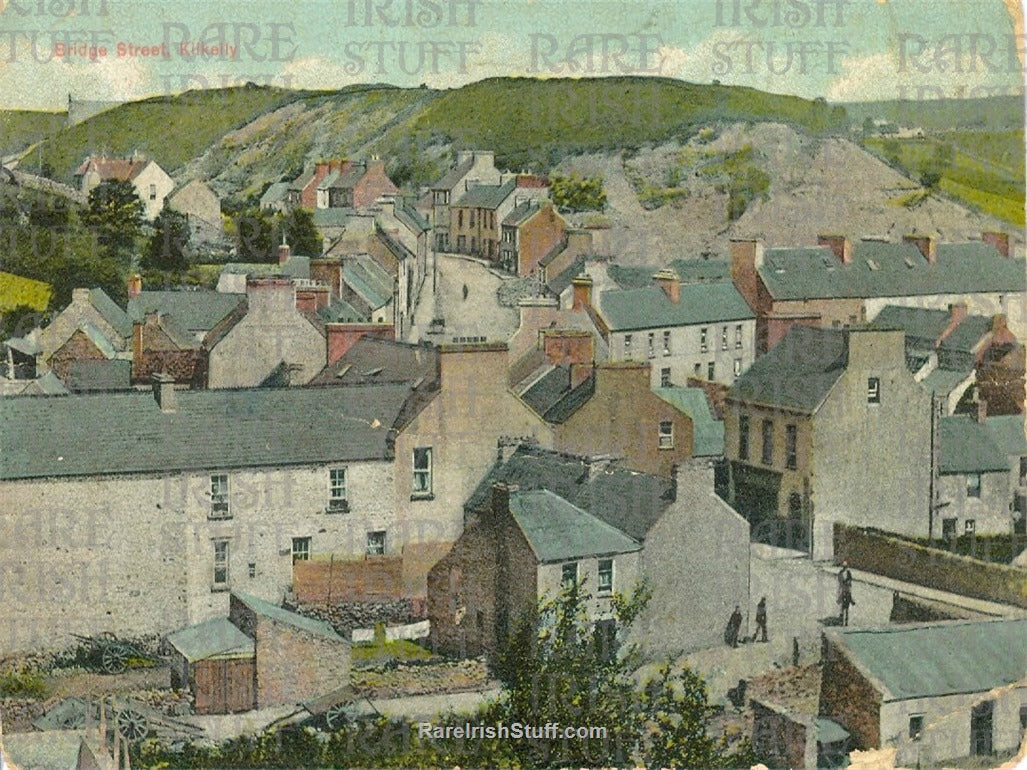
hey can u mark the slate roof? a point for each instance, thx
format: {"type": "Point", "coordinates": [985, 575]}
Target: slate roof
{"type": "Point", "coordinates": [110, 312]}
{"type": "Point", "coordinates": [941, 382]}
{"type": "Point", "coordinates": [968, 334]}
{"type": "Point", "coordinates": [967, 446]}
{"type": "Point", "coordinates": [1007, 431]}
{"type": "Point", "coordinates": [452, 177]}
{"type": "Point", "coordinates": [195, 311]}
{"type": "Point", "coordinates": [329, 178]}
{"type": "Point", "coordinates": [340, 311]}
{"type": "Point", "coordinates": [487, 196]}
{"type": "Point", "coordinates": [334, 217]}
{"type": "Point", "coordinates": [282, 615]}
{"type": "Point", "coordinates": [275, 193]}
{"type": "Point", "coordinates": [216, 638]}
{"type": "Point", "coordinates": [558, 531]}
{"type": "Point", "coordinates": [944, 658]}
{"type": "Point", "coordinates": [560, 282]}
{"type": "Point", "coordinates": [901, 271]}
{"type": "Point", "coordinates": [371, 359]}
{"type": "Point", "coordinates": [707, 431]}
{"type": "Point", "coordinates": [702, 270]}
{"type": "Point", "coordinates": [369, 280]}
{"type": "Point", "coordinates": [521, 213]}
{"type": "Point", "coordinates": [295, 267]}
{"type": "Point", "coordinates": [629, 500]}
{"type": "Point", "coordinates": [409, 216]}
{"type": "Point", "coordinates": [918, 323]}
{"type": "Point", "coordinates": [124, 433]}
{"type": "Point", "coordinates": [798, 372]}
{"type": "Point", "coordinates": [349, 176]}
{"type": "Point", "coordinates": [571, 401]}
{"type": "Point", "coordinates": [303, 180]}
{"type": "Point", "coordinates": [546, 390]}
{"type": "Point", "coordinates": [99, 375]}
{"type": "Point", "coordinates": [99, 339]}
{"type": "Point", "coordinates": [650, 307]}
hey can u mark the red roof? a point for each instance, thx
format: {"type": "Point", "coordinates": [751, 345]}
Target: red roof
{"type": "Point", "coordinates": [112, 168]}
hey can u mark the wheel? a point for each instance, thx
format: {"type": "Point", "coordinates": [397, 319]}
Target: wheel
{"type": "Point", "coordinates": [335, 717]}
{"type": "Point", "coordinates": [72, 720]}
{"type": "Point", "coordinates": [132, 725]}
{"type": "Point", "coordinates": [113, 660]}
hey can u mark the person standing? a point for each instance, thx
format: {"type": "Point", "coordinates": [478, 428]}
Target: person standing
{"type": "Point", "coordinates": [761, 620]}
{"type": "Point", "coordinates": [734, 625]}
{"type": "Point", "coordinates": [844, 593]}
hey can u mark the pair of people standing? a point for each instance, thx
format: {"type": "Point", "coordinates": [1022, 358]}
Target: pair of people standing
{"type": "Point", "coordinates": [734, 624]}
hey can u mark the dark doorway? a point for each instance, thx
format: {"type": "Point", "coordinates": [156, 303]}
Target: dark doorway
{"type": "Point", "coordinates": [981, 728]}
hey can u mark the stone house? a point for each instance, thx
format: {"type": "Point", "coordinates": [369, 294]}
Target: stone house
{"type": "Point", "coordinates": [476, 219]}
{"type": "Point", "coordinates": [530, 232]}
{"type": "Point", "coordinates": [683, 330]}
{"type": "Point", "coordinates": [194, 313]}
{"type": "Point", "coordinates": [160, 346]}
{"type": "Point", "coordinates": [472, 167]}
{"type": "Point", "coordinates": [89, 307]}
{"type": "Point", "coordinates": [152, 183]}
{"type": "Point", "coordinates": [840, 283]}
{"type": "Point", "coordinates": [826, 415]}
{"type": "Point", "coordinates": [147, 509]}
{"type": "Point", "coordinates": [248, 346]}
{"type": "Point", "coordinates": [935, 692]}
{"type": "Point", "coordinates": [202, 208]}
{"type": "Point", "coordinates": [341, 184]}
{"type": "Point", "coordinates": [1009, 433]}
{"type": "Point", "coordinates": [86, 345]}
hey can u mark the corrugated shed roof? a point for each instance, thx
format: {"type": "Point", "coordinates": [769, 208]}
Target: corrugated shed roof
{"type": "Point", "coordinates": [650, 307]}
{"type": "Point", "coordinates": [707, 431]}
{"type": "Point", "coordinates": [120, 433]}
{"type": "Point", "coordinates": [881, 269]}
{"type": "Point", "coordinates": [110, 312]}
{"type": "Point", "coordinates": [487, 196]}
{"type": "Point", "coordinates": [967, 446]}
{"type": "Point", "coordinates": [216, 638]}
{"type": "Point", "coordinates": [195, 311]}
{"type": "Point", "coordinates": [945, 658]}
{"type": "Point", "coordinates": [798, 372]}
{"type": "Point", "coordinates": [282, 615]}
{"type": "Point", "coordinates": [557, 531]}
{"type": "Point", "coordinates": [1007, 431]}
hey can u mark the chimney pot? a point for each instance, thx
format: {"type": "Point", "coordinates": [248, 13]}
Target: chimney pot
{"type": "Point", "coordinates": [284, 252]}
{"type": "Point", "coordinates": [982, 410]}
{"type": "Point", "coordinates": [135, 285]}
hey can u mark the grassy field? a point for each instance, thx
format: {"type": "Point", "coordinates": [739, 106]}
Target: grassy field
{"type": "Point", "coordinates": [993, 113]}
{"type": "Point", "coordinates": [20, 128]}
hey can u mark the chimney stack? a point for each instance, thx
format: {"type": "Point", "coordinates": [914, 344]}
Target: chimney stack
{"type": "Point", "coordinates": [999, 240]}
{"type": "Point", "coordinates": [284, 252]}
{"type": "Point", "coordinates": [580, 373]}
{"type": "Point", "coordinates": [501, 499]}
{"type": "Point", "coordinates": [839, 244]}
{"type": "Point", "coordinates": [135, 285]}
{"type": "Point", "coordinates": [746, 260]}
{"type": "Point", "coordinates": [957, 312]}
{"type": "Point", "coordinates": [164, 392]}
{"type": "Point", "coordinates": [582, 288]}
{"type": "Point", "coordinates": [999, 323]}
{"type": "Point", "coordinates": [669, 281]}
{"type": "Point", "coordinates": [927, 246]}
{"type": "Point", "coordinates": [982, 410]}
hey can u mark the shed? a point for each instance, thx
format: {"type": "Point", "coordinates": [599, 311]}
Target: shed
{"type": "Point", "coordinates": [218, 663]}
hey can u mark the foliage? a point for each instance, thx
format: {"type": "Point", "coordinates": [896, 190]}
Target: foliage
{"type": "Point", "coordinates": [20, 128]}
{"type": "Point", "coordinates": [251, 230]}
{"type": "Point", "coordinates": [19, 321]}
{"type": "Point", "coordinates": [115, 214]}
{"type": "Point", "coordinates": [575, 193]}
{"type": "Point", "coordinates": [168, 248]}
{"type": "Point", "coordinates": [23, 684]}
{"type": "Point", "coordinates": [301, 235]}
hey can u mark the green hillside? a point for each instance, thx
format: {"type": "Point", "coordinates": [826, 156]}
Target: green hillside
{"type": "Point", "coordinates": [20, 128]}
{"type": "Point", "coordinates": [992, 113]}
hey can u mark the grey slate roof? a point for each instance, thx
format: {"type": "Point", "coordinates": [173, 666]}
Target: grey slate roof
{"type": "Point", "coordinates": [346, 179]}
{"type": "Point", "coordinates": [798, 372]}
{"type": "Point", "coordinates": [571, 401]}
{"type": "Point", "coordinates": [521, 213]}
{"type": "Point", "coordinates": [968, 334]}
{"type": "Point", "coordinates": [629, 500]}
{"type": "Point", "coordinates": [99, 375]}
{"type": "Point", "coordinates": [409, 216]}
{"type": "Point", "coordinates": [557, 531]}
{"type": "Point", "coordinates": [452, 177]}
{"type": "Point", "coordinates": [275, 193]}
{"type": "Point", "coordinates": [707, 431]}
{"type": "Point", "coordinates": [650, 307]}
{"type": "Point", "coordinates": [487, 196]}
{"type": "Point", "coordinates": [919, 324]}
{"type": "Point", "coordinates": [124, 433]}
{"type": "Point", "coordinates": [701, 270]}
{"type": "Point", "coordinates": [371, 359]}
{"type": "Point", "coordinates": [195, 311]}
{"type": "Point", "coordinates": [560, 282]}
{"type": "Point", "coordinates": [901, 271]}
{"type": "Point", "coordinates": [1007, 431]}
{"type": "Point", "coordinates": [941, 382]}
{"type": "Point", "coordinates": [110, 312]}
{"type": "Point", "coordinates": [967, 446]}
{"type": "Point", "coordinates": [335, 217]}
{"type": "Point", "coordinates": [282, 615]}
{"type": "Point", "coordinates": [547, 389]}
{"type": "Point", "coordinates": [944, 658]}
{"type": "Point", "coordinates": [216, 638]}
{"type": "Point", "coordinates": [340, 311]}
{"type": "Point", "coordinates": [295, 267]}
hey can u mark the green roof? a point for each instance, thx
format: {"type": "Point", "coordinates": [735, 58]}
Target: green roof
{"type": "Point", "coordinates": [941, 382]}
{"type": "Point", "coordinates": [945, 658]}
{"type": "Point", "coordinates": [968, 334]}
{"type": "Point", "coordinates": [650, 307]}
{"type": "Point", "coordinates": [115, 433]}
{"type": "Point", "coordinates": [295, 267]}
{"type": "Point", "coordinates": [195, 311]}
{"type": "Point", "coordinates": [487, 196]}
{"type": "Point", "coordinates": [918, 323]}
{"type": "Point", "coordinates": [880, 269]}
{"type": "Point", "coordinates": [798, 372]}
{"type": "Point", "coordinates": [1007, 431]}
{"type": "Point", "coordinates": [557, 531]}
{"type": "Point", "coordinates": [110, 312]}
{"type": "Point", "coordinates": [707, 431]}
{"type": "Point", "coordinates": [216, 638]}
{"type": "Point", "coordinates": [366, 284]}
{"type": "Point", "coordinates": [282, 615]}
{"type": "Point", "coordinates": [16, 290]}
{"type": "Point", "coordinates": [967, 446]}
{"type": "Point", "coordinates": [334, 217]}
{"type": "Point", "coordinates": [829, 731]}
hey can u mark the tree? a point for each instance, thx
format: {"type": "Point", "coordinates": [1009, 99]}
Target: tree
{"type": "Point", "coordinates": [252, 229]}
{"type": "Point", "coordinates": [301, 235]}
{"type": "Point", "coordinates": [575, 193]}
{"type": "Point", "coordinates": [115, 214]}
{"type": "Point", "coordinates": [168, 249]}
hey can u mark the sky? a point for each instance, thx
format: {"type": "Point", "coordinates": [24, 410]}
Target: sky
{"type": "Point", "coordinates": [841, 50]}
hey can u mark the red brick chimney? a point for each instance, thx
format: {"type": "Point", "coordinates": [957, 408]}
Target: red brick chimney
{"type": "Point", "coordinates": [565, 346]}
{"type": "Point", "coordinates": [957, 314]}
{"type": "Point", "coordinates": [342, 336]}
{"type": "Point", "coordinates": [284, 252]}
{"type": "Point", "coordinates": [310, 299]}
{"type": "Point", "coordinates": [999, 240]}
{"type": "Point", "coordinates": [135, 285]}
{"type": "Point", "coordinates": [746, 260]}
{"type": "Point", "coordinates": [669, 281]}
{"type": "Point", "coordinates": [927, 246]}
{"type": "Point", "coordinates": [582, 292]}
{"type": "Point", "coordinates": [839, 244]}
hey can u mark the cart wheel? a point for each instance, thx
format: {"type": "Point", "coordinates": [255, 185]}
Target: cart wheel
{"type": "Point", "coordinates": [113, 660]}
{"type": "Point", "coordinates": [71, 721]}
{"type": "Point", "coordinates": [132, 725]}
{"type": "Point", "coordinates": [335, 717]}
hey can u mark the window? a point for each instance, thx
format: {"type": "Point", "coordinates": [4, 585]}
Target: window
{"type": "Point", "coordinates": [791, 441]}
{"type": "Point", "coordinates": [873, 390]}
{"type": "Point", "coordinates": [737, 367]}
{"type": "Point", "coordinates": [337, 490]}
{"type": "Point", "coordinates": [422, 472]}
{"type": "Point", "coordinates": [652, 345]}
{"type": "Point", "coordinates": [697, 369]}
{"type": "Point", "coordinates": [251, 569]}
{"type": "Point", "coordinates": [916, 726]}
{"type": "Point", "coordinates": [666, 343]}
{"type": "Point", "coordinates": [461, 243]}
{"type": "Point", "coordinates": [153, 192]}
{"type": "Point", "coordinates": [376, 543]}
{"type": "Point", "coordinates": [470, 216]}
{"type": "Point", "coordinates": [219, 497]}
{"type": "Point", "coordinates": [221, 562]}
{"type": "Point", "coordinates": [723, 338]}
{"type": "Point", "coordinates": [711, 371]}
{"type": "Point", "coordinates": [569, 574]}
{"type": "Point", "coordinates": [627, 346]}
{"type": "Point", "coordinates": [973, 485]}
{"type": "Point", "coordinates": [948, 528]}
{"type": "Point", "coordinates": [665, 377]}
{"type": "Point", "coordinates": [738, 336]}
{"type": "Point", "coordinates": [794, 505]}
{"type": "Point", "coordinates": [300, 549]}
{"type": "Point", "coordinates": [768, 442]}
{"type": "Point", "coordinates": [703, 345]}
{"type": "Point", "coordinates": [605, 584]}
{"type": "Point", "coordinates": [969, 527]}
{"type": "Point", "coordinates": [460, 218]}
{"type": "Point", "coordinates": [743, 437]}
{"type": "Point", "coordinates": [666, 435]}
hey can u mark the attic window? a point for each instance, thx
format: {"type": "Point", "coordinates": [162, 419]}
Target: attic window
{"type": "Point", "coordinates": [373, 372]}
{"type": "Point", "coordinates": [342, 371]}
{"type": "Point", "coordinates": [909, 263]}
{"type": "Point", "coordinates": [873, 265]}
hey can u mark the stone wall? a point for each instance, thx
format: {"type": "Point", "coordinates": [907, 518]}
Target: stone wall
{"type": "Point", "coordinates": [848, 698]}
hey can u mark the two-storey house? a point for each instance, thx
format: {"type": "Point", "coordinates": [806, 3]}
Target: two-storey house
{"type": "Point", "coordinates": [472, 167]}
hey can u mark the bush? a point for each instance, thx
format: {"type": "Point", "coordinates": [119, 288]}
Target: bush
{"type": "Point", "coordinates": [23, 684]}
{"type": "Point", "coordinates": [575, 193]}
